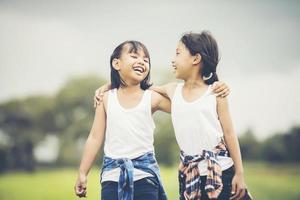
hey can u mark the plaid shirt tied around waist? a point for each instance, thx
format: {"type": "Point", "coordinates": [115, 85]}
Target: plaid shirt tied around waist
{"type": "Point", "coordinates": [189, 176]}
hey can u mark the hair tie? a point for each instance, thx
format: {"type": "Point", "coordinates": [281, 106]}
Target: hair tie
{"type": "Point", "coordinates": [208, 77]}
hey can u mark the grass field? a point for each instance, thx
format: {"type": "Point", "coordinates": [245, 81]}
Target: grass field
{"type": "Point", "coordinates": [265, 181]}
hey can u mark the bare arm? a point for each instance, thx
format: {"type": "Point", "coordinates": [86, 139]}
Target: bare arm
{"type": "Point", "coordinates": [166, 90]}
{"type": "Point", "coordinates": [220, 88]}
{"type": "Point", "coordinates": [94, 140]}
{"type": "Point", "coordinates": [160, 102]}
{"type": "Point", "coordinates": [238, 184]}
{"type": "Point", "coordinates": [98, 98]}
{"type": "Point", "coordinates": [91, 148]}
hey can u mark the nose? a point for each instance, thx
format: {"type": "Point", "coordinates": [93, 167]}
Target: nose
{"type": "Point", "coordinates": [141, 61]}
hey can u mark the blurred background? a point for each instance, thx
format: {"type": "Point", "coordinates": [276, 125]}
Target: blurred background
{"type": "Point", "coordinates": [55, 54]}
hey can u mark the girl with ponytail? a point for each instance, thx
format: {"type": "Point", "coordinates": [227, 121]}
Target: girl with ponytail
{"type": "Point", "coordinates": [210, 159]}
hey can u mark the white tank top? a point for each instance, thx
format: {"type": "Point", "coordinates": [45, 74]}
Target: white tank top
{"type": "Point", "coordinates": [129, 133]}
{"type": "Point", "coordinates": [197, 126]}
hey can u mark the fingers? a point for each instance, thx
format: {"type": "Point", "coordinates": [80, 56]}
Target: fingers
{"type": "Point", "coordinates": [238, 193]}
{"type": "Point", "coordinates": [95, 98]}
{"type": "Point", "coordinates": [98, 98]}
{"type": "Point", "coordinates": [242, 192]}
{"type": "Point", "coordinates": [223, 93]}
{"type": "Point", "coordinates": [97, 92]}
{"type": "Point", "coordinates": [83, 193]}
{"type": "Point", "coordinates": [233, 191]}
{"type": "Point", "coordinates": [216, 85]}
{"type": "Point", "coordinates": [80, 191]}
{"type": "Point", "coordinates": [220, 88]}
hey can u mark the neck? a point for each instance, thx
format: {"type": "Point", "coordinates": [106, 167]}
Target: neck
{"type": "Point", "coordinates": [130, 88]}
{"type": "Point", "coordinates": [194, 80]}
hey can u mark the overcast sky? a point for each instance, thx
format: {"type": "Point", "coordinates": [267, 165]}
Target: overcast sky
{"type": "Point", "coordinates": [43, 43]}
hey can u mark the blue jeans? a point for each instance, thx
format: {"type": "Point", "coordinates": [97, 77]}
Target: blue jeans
{"type": "Point", "coordinates": [144, 189]}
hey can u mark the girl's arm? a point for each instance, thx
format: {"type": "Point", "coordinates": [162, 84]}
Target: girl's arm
{"type": "Point", "coordinates": [219, 88]}
{"type": "Point", "coordinates": [231, 140]}
{"type": "Point", "coordinates": [98, 98]}
{"type": "Point", "coordinates": [166, 90]}
{"type": "Point", "coordinates": [91, 148]}
{"type": "Point", "coordinates": [159, 102]}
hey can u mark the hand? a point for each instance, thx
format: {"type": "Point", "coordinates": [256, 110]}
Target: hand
{"type": "Point", "coordinates": [98, 98]}
{"type": "Point", "coordinates": [238, 187]}
{"type": "Point", "coordinates": [80, 186]}
{"type": "Point", "coordinates": [221, 89]}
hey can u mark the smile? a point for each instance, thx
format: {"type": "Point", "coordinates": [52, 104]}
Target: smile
{"type": "Point", "coordinates": [139, 69]}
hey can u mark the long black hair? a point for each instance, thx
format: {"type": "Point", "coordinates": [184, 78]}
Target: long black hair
{"type": "Point", "coordinates": [204, 44]}
{"type": "Point", "coordinates": [116, 80]}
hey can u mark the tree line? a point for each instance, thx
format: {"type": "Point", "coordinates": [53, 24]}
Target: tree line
{"type": "Point", "coordinates": [68, 115]}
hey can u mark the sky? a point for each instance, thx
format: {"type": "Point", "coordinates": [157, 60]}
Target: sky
{"type": "Point", "coordinates": [44, 43]}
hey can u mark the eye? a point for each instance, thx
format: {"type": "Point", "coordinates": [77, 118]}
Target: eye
{"type": "Point", "coordinates": [134, 56]}
{"type": "Point", "coordinates": [146, 60]}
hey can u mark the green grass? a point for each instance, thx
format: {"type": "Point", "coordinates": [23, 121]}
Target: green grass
{"type": "Point", "coordinates": [264, 181]}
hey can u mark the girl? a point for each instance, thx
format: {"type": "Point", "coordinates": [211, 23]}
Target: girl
{"type": "Point", "coordinates": [211, 164]}
{"type": "Point", "coordinates": [130, 170]}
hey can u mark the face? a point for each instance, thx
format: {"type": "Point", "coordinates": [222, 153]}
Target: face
{"type": "Point", "coordinates": [182, 62]}
{"type": "Point", "coordinates": [133, 66]}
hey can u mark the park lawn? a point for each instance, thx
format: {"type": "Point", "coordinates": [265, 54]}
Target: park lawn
{"type": "Point", "coordinates": [265, 181]}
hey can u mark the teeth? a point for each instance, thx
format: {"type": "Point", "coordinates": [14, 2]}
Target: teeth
{"type": "Point", "coordinates": [139, 69]}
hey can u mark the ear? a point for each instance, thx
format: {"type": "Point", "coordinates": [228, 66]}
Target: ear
{"type": "Point", "coordinates": [197, 59]}
{"type": "Point", "coordinates": [115, 64]}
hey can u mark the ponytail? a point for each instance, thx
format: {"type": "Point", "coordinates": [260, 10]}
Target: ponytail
{"type": "Point", "coordinates": [207, 47]}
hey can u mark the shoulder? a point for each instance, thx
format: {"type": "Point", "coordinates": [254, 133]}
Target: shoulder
{"type": "Point", "coordinates": [105, 99]}
{"type": "Point", "coordinates": [171, 88]}
{"type": "Point", "coordinates": [105, 95]}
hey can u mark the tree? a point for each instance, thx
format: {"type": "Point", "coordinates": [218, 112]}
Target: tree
{"type": "Point", "coordinates": [250, 147]}
{"type": "Point", "coordinates": [27, 121]}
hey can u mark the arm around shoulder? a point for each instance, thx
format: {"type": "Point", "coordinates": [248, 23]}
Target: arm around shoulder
{"type": "Point", "coordinates": [166, 90]}
{"type": "Point", "coordinates": [160, 102]}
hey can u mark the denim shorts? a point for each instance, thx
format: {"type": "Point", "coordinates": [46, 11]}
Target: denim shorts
{"type": "Point", "coordinates": [144, 189]}
{"type": "Point", "coordinates": [227, 176]}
